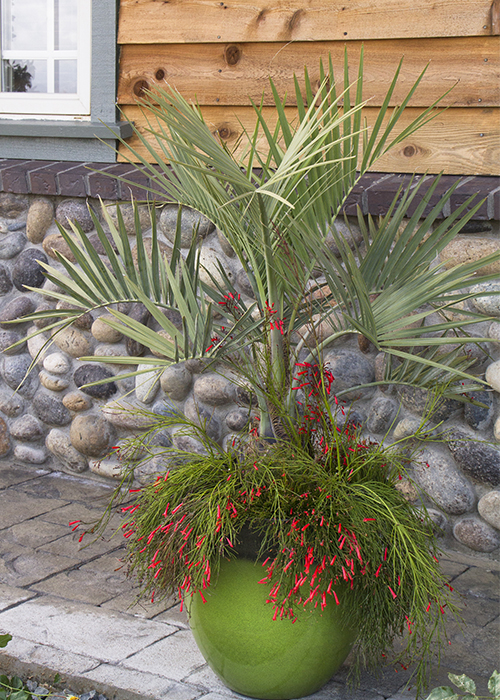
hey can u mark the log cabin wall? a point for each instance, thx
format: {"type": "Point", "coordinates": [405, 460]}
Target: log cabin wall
{"type": "Point", "coordinates": [220, 54]}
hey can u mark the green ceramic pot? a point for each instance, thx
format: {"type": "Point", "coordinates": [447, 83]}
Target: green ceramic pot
{"type": "Point", "coordinates": [256, 655]}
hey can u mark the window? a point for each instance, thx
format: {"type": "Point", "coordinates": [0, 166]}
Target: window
{"type": "Point", "coordinates": [58, 80]}
{"type": "Point", "coordinates": [46, 57]}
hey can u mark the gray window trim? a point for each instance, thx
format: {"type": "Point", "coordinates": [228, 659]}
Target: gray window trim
{"type": "Point", "coordinates": [77, 140]}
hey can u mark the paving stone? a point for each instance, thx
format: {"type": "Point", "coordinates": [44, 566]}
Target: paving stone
{"type": "Point", "coordinates": [205, 678]}
{"type": "Point", "coordinates": [174, 616]}
{"type": "Point", "coordinates": [479, 583]}
{"type": "Point", "coordinates": [11, 595]}
{"type": "Point", "coordinates": [16, 507]}
{"type": "Point", "coordinates": [41, 656]}
{"type": "Point", "coordinates": [20, 566]}
{"type": "Point", "coordinates": [177, 655]}
{"type": "Point", "coordinates": [83, 629]}
{"type": "Point", "coordinates": [128, 601]}
{"type": "Point", "coordinates": [16, 474]}
{"type": "Point", "coordinates": [133, 685]}
{"type": "Point", "coordinates": [33, 533]}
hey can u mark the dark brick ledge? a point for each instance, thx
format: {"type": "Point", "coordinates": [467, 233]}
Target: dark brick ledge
{"type": "Point", "coordinates": [373, 194]}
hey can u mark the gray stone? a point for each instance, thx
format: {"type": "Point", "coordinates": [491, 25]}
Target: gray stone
{"type": "Point", "coordinates": [214, 389]}
{"type": "Point", "coordinates": [187, 443]}
{"type": "Point", "coordinates": [56, 363]}
{"type": "Point", "coordinates": [489, 508]}
{"type": "Point", "coordinates": [467, 248]}
{"type": "Point", "coordinates": [204, 417]}
{"type": "Point", "coordinates": [176, 381]}
{"type": "Point", "coordinates": [12, 205]}
{"type": "Point", "coordinates": [244, 283]}
{"type": "Point", "coordinates": [77, 211]}
{"type": "Point", "coordinates": [422, 402]}
{"type": "Point", "coordinates": [489, 305]}
{"type": "Point", "coordinates": [54, 382]}
{"type": "Point", "coordinates": [140, 314]}
{"type": "Point", "coordinates": [107, 350]}
{"type": "Point", "coordinates": [164, 407]}
{"type": "Point", "coordinates": [197, 365]}
{"type": "Point", "coordinates": [8, 338]}
{"type": "Point", "coordinates": [111, 467]}
{"type": "Point", "coordinates": [127, 414]}
{"type": "Point", "coordinates": [97, 244]}
{"type": "Point", "coordinates": [73, 342]}
{"type": "Point", "coordinates": [190, 222]}
{"type": "Point", "coordinates": [227, 248]}
{"type": "Point", "coordinates": [126, 384]}
{"type": "Point", "coordinates": [76, 401]}
{"type": "Point", "coordinates": [440, 479]}
{"type": "Point", "coordinates": [350, 370]}
{"type": "Point", "coordinates": [102, 332]}
{"type": "Point", "coordinates": [50, 410]}
{"type": "Point", "coordinates": [494, 331]}
{"type": "Point", "coordinates": [406, 427]}
{"type": "Point", "coordinates": [40, 216]}
{"type": "Point", "coordinates": [381, 415]}
{"type": "Point", "coordinates": [16, 309]}
{"type": "Point", "coordinates": [30, 455]}
{"type": "Point", "coordinates": [54, 244]}
{"type": "Point", "coordinates": [12, 245]}
{"type": "Point", "coordinates": [27, 271]}
{"type": "Point", "coordinates": [147, 384]}
{"type": "Point", "coordinates": [27, 429]}
{"type": "Point", "coordinates": [4, 438]}
{"type": "Point", "coordinates": [492, 375]}
{"type": "Point", "coordinates": [89, 373]}
{"type": "Point", "coordinates": [38, 346]}
{"type": "Point", "coordinates": [161, 438]}
{"type": "Point", "coordinates": [440, 522]}
{"type": "Point", "coordinates": [91, 435]}
{"type": "Point", "coordinates": [127, 211]}
{"type": "Point", "coordinates": [14, 372]}
{"type": "Point", "coordinates": [5, 280]}
{"type": "Point", "coordinates": [214, 268]}
{"type": "Point", "coordinates": [237, 420]}
{"type": "Point", "coordinates": [17, 226]}
{"type": "Point", "coordinates": [477, 459]}
{"type": "Point", "coordinates": [479, 417]}
{"type": "Point", "coordinates": [43, 322]}
{"type": "Point", "coordinates": [83, 321]}
{"type": "Point", "coordinates": [59, 443]}
{"type": "Point", "coordinates": [351, 234]}
{"type": "Point", "coordinates": [11, 404]}
{"type": "Point", "coordinates": [476, 534]}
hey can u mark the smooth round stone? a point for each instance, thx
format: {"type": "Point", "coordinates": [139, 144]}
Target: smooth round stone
{"type": "Point", "coordinates": [237, 420]}
{"type": "Point", "coordinates": [155, 351]}
{"type": "Point", "coordinates": [469, 248]}
{"type": "Point", "coordinates": [14, 372]}
{"type": "Point", "coordinates": [5, 280]}
{"type": "Point", "coordinates": [40, 217]}
{"type": "Point", "coordinates": [496, 429]}
{"type": "Point", "coordinates": [489, 305]}
{"type": "Point", "coordinates": [27, 429]}
{"type": "Point", "coordinates": [30, 455]}
{"type": "Point", "coordinates": [59, 444]}
{"type": "Point", "coordinates": [492, 375]}
{"type": "Point", "coordinates": [440, 522]}
{"type": "Point", "coordinates": [107, 350]}
{"type": "Point", "coordinates": [494, 331]}
{"type": "Point", "coordinates": [83, 322]}
{"type": "Point", "coordinates": [478, 460]}
{"type": "Point", "coordinates": [381, 415]}
{"type": "Point", "coordinates": [406, 428]}
{"type": "Point", "coordinates": [38, 347]}
{"type": "Point", "coordinates": [50, 410]}
{"type": "Point", "coordinates": [176, 381]}
{"type": "Point", "coordinates": [73, 342]}
{"type": "Point", "coordinates": [77, 211]}
{"type": "Point", "coordinates": [489, 508]}
{"type": "Point", "coordinates": [4, 438]}
{"type": "Point", "coordinates": [91, 435]}
{"type": "Point", "coordinates": [56, 363]}
{"type": "Point", "coordinates": [204, 417]}
{"type": "Point", "coordinates": [110, 467]}
{"type": "Point", "coordinates": [13, 205]}
{"type": "Point", "coordinates": [350, 234]}
{"type": "Point", "coordinates": [16, 309]}
{"type": "Point", "coordinates": [164, 250]}
{"type": "Point", "coordinates": [127, 414]}
{"type": "Point", "coordinates": [244, 283]}
{"type": "Point", "coordinates": [147, 385]}
{"type": "Point", "coordinates": [476, 534]}
{"type": "Point", "coordinates": [27, 272]}
{"type": "Point", "coordinates": [211, 261]}
{"type": "Point", "coordinates": [103, 333]}
{"type": "Point", "coordinates": [227, 248]}
{"type": "Point", "coordinates": [164, 407]}
{"type": "Point", "coordinates": [187, 443]}
{"type": "Point", "coordinates": [350, 370]}
{"type": "Point", "coordinates": [11, 404]}
{"type": "Point", "coordinates": [127, 210]}
{"type": "Point", "coordinates": [138, 313]}
{"type": "Point", "coordinates": [43, 322]}
{"type": "Point", "coordinates": [190, 221]}
{"type": "Point", "coordinates": [8, 338]}
{"type": "Point", "coordinates": [54, 382]}
{"type": "Point", "coordinates": [89, 373]}
{"type": "Point", "coordinates": [130, 450]}
{"type": "Point", "coordinates": [214, 389]}
{"type": "Point", "coordinates": [97, 244]}
{"type": "Point", "coordinates": [419, 401]}
{"type": "Point", "coordinates": [443, 483]}
{"type": "Point", "coordinates": [479, 417]}
{"type": "Point", "coordinates": [12, 245]}
{"type": "Point", "coordinates": [126, 385]}
{"type": "Point", "coordinates": [76, 401]}
{"type": "Point", "coordinates": [54, 244]}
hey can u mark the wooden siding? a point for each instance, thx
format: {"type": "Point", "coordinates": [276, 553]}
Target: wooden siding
{"type": "Point", "coordinates": [223, 54]}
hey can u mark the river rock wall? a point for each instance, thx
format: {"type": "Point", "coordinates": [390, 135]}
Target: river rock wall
{"type": "Point", "coordinates": [49, 417]}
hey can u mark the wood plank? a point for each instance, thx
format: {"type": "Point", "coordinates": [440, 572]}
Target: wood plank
{"type": "Point", "coordinates": [229, 74]}
{"type": "Point", "coordinates": [202, 21]}
{"type": "Point", "coordinates": [460, 141]}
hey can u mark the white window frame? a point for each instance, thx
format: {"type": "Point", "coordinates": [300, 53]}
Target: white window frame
{"type": "Point", "coordinates": [16, 104]}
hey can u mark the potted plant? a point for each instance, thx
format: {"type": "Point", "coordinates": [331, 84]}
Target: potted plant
{"type": "Point", "coordinates": [321, 501]}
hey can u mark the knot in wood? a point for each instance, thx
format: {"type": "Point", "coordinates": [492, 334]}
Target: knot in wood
{"type": "Point", "coordinates": [139, 87]}
{"type": "Point", "coordinates": [232, 54]}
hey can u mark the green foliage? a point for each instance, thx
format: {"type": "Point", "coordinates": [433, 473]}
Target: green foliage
{"type": "Point", "coordinates": [13, 689]}
{"type": "Point", "coordinates": [4, 640]}
{"type": "Point", "coordinates": [466, 684]}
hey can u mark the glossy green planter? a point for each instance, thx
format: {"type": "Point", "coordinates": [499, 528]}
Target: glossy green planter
{"type": "Point", "coordinates": [256, 655]}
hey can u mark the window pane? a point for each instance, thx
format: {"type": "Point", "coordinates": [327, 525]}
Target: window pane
{"type": "Point", "coordinates": [24, 24]}
{"type": "Point", "coordinates": [65, 76]}
{"type": "Point", "coordinates": [24, 76]}
{"type": "Point", "coordinates": [66, 14]}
